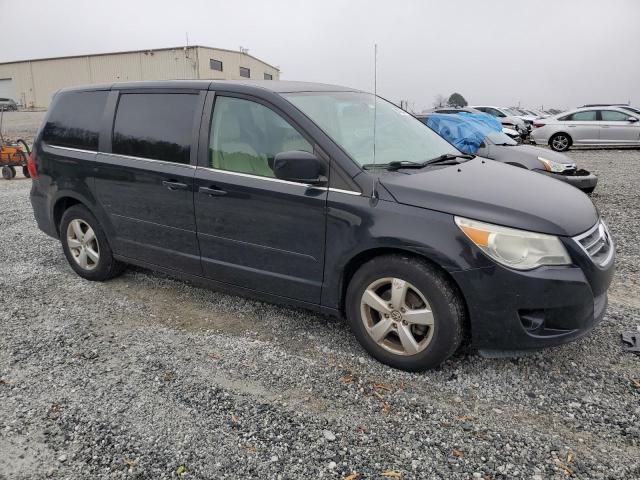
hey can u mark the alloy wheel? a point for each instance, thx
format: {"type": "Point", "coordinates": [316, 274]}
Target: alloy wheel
{"type": "Point", "coordinates": [560, 142]}
{"type": "Point", "coordinates": [83, 244]}
{"type": "Point", "coordinates": [397, 316]}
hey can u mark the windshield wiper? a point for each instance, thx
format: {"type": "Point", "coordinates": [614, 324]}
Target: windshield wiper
{"type": "Point", "coordinates": [393, 165]}
{"type": "Point", "coordinates": [447, 157]}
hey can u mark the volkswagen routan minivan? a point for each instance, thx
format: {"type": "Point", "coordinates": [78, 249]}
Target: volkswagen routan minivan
{"type": "Point", "coordinates": [326, 198]}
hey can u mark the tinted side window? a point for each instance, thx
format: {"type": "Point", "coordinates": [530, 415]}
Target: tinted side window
{"type": "Point", "coordinates": [75, 120]}
{"type": "Point", "coordinates": [613, 116]}
{"type": "Point", "coordinates": [588, 116]}
{"type": "Point", "coordinates": [155, 125]}
{"type": "Point", "coordinates": [246, 136]}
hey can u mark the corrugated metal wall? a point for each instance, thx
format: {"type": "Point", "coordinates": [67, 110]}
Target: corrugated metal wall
{"type": "Point", "coordinates": [35, 82]}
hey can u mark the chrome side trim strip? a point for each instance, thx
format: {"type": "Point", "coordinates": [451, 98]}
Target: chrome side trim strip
{"type": "Point", "coordinates": [79, 150]}
{"type": "Point", "coordinates": [127, 157]}
{"type": "Point", "coordinates": [258, 177]}
{"type": "Point", "coordinates": [277, 180]}
{"type": "Point", "coordinates": [226, 172]}
{"type": "Point", "coordinates": [148, 160]}
{"type": "Point", "coordinates": [348, 192]}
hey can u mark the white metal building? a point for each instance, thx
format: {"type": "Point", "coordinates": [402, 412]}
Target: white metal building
{"type": "Point", "coordinates": [32, 83]}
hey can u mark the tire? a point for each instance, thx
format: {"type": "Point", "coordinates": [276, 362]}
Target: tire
{"type": "Point", "coordinates": [436, 335]}
{"type": "Point", "coordinates": [589, 190]}
{"type": "Point", "coordinates": [25, 172]}
{"type": "Point", "coordinates": [8, 172]}
{"type": "Point", "coordinates": [98, 263]}
{"type": "Point", "coordinates": [560, 142]}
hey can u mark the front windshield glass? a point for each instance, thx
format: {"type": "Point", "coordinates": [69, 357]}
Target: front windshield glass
{"type": "Point", "coordinates": [500, 138]}
{"type": "Point", "coordinates": [348, 118]}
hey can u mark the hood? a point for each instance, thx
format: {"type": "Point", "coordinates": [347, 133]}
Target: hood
{"type": "Point", "coordinates": [527, 155]}
{"type": "Point", "coordinates": [514, 120]}
{"type": "Point", "coordinates": [496, 193]}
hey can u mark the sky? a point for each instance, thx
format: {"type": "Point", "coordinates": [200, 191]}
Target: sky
{"type": "Point", "coordinates": [551, 53]}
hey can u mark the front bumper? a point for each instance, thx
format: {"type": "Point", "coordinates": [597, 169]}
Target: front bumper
{"type": "Point", "coordinates": [581, 179]}
{"type": "Point", "coordinates": [515, 310]}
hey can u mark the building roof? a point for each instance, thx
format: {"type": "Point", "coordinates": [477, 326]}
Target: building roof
{"type": "Point", "coordinates": [138, 51]}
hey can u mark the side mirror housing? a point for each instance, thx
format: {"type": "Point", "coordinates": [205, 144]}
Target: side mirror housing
{"type": "Point", "coordinates": [297, 166]}
{"type": "Point", "coordinates": [632, 119]}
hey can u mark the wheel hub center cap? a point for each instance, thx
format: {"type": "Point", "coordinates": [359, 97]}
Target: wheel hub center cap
{"type": "Point", "coordinates": [396, 315]}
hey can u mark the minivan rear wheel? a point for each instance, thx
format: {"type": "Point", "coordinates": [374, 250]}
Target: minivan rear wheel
{"type": "Point", "coordinates": [86, 247]}
{"type": "Point", "coordinates": [404, 312]}
{"type": "Point", "coordinates": [560, 142]}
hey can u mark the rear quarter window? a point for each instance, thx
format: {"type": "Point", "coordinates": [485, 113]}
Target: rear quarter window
{"type": "Point", "coordinates": [74, 120]}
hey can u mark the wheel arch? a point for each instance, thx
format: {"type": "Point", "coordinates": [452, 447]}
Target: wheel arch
{"type": "Point", "coordinates": [560, 132]}
{"type": "Point", "coordinates": [364, 256]}
{"type": "Point", "coordinates": [63, 203]}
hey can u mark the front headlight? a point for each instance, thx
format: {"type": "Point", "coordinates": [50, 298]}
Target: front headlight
{"type": "Point", "coordinates": [551, 166]}
{"type": "Point", "coordinates": [517, 249]}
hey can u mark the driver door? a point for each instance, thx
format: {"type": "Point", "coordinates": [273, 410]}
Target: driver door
{"type": "Point", "coordinates": [616, 128]}
{"type": "Point", "coordinates": [254, 230]}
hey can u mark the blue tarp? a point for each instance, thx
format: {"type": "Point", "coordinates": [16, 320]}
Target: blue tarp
{"type": "Point", "coordinates": [466, 131]}
{"type": "Point", "coordinates": [490, 120]}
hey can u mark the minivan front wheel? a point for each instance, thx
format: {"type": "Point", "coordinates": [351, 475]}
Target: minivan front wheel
{"type": "Point", "coordinates": [560, 142]}
{"type": "Point", "coordinates": [86, 247]}
{"type": "Point", "coordinates": [404, 312]}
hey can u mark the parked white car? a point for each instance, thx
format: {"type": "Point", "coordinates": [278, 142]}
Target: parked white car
{"type": "Point", "coordinates": [507, 119]}
{"type": "Point", "coordinates": [523, 114]}
{"type": "Point", "coordinates": [602, 126]}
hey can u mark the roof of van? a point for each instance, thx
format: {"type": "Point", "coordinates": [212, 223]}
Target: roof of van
{"type": "Point", "coordinates": [277, 86]}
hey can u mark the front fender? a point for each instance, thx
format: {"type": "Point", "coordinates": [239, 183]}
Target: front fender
{"type": "Point", "coordinates": [356, 225]}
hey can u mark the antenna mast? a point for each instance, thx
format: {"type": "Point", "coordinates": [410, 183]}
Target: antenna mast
{"type": "Point", "coordinates": [375, 113]}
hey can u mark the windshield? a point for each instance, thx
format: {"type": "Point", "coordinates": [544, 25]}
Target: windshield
{"type": "Point", "coordinates": [632, 109]}
{"type": "Point", "coordinates": [500, 138]}
{"type": "Point", "coordinates": [348, 118]}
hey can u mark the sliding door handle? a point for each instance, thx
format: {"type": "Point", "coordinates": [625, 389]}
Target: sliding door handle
{"type": "Point", "coordinates": [214, 192]}
{"type": "Point", "coordinates": [173, 185]}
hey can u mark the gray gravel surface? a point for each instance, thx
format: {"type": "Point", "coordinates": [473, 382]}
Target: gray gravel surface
{"type": "Point", "coordinates": [146, 376]}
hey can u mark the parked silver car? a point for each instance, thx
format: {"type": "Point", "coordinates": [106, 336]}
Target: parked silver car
{"type": "Point", "coordinates": [506, 118]}
{"type": "Point", "coordinates": [601, 126]}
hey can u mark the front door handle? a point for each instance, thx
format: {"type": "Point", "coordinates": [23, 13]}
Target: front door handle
{"type": "Point", "coordinates": [214, 192]}
{"type": "Point", "coordinates": [173, 185]}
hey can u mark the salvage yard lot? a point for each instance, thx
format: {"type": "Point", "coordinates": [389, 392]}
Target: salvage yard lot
{"type": "Point", "coordinates": [146, 376]}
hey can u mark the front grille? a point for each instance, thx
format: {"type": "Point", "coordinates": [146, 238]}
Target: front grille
{"type": "Point", "coordinates": [597, 243]}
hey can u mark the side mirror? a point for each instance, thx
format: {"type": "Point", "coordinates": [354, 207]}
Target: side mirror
{"type": "Point", "coordinates": [632, 119]}
{"type": "Point", "coordinates": [297, 166]}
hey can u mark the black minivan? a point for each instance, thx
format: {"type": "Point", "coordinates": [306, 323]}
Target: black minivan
{"type": "Point", "coordinates": [322, 197]}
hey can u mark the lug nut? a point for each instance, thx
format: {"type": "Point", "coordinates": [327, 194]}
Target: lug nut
{"type": "Point", "coordinates": [386, 315]}
{"type": "Point", "coordinates": [404, 322]}
{"type": "Point", "coordinates": [403, 310]}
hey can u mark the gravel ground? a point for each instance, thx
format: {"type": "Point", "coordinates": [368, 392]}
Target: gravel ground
{"type": "Point", "coordinates": [146, 376]}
